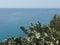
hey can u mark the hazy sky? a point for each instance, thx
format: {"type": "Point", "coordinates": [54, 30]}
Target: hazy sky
{"type": "Point", "coordinates": [29, 3]}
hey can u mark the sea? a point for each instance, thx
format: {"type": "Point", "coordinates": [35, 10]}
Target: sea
{"type": "Point", "coordinates": [12, 18]}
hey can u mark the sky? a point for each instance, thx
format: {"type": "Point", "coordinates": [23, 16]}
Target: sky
{"type": "Point", "coordinates": [29, 3]}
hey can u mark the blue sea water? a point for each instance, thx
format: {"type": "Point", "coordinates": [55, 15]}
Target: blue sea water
{"type": "Point", "coordinates": [12, 18]}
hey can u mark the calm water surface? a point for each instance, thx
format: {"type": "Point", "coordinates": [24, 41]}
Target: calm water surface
{"type": "Point", "coordinates": [11, 19]}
